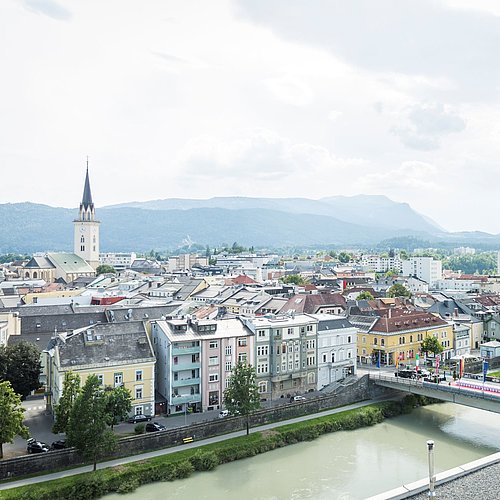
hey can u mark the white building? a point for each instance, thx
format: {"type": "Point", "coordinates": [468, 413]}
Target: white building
{"type": "Point", "coordinates": [119, 260]}
{"type": "Point", "coordinates": [337, 344]}
{"type": "Point", "coordinates": [185, 262]}
{"type": "Point", "coordinates": [424, 268]}
{"type": "Point", "coordinates": [458, 285]}
{"type": "Point", "coordinates": [381, 264]}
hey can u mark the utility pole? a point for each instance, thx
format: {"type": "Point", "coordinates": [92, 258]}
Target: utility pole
{"type": "Point", "coordinates": [432, 477]}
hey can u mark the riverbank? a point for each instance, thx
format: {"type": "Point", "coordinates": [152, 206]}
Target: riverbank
{"type": "Point", "coordinates": [180, 464]}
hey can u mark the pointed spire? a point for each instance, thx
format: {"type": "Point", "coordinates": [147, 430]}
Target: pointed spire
{"type": "Point", "coordinates": [87, 195]}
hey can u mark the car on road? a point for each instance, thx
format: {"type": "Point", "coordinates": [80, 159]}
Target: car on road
{"type": "Point", "coordinates": [154, 427]}
{"type": "Point", "coordinates": [58, 445]}
{"type": "Point", "coordinates": [34, 446]}
{"type": "Point", "coordinates": [224, 413]}
{"type": "Point", "coordinates": [412, 373]}
{"type": "Point", "coordinates": [139, 418]}
{"type": "Point", "coordinates": [293, 399]}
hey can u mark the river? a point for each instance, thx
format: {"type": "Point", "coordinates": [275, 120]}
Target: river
{"type": "Point", "coordinates": [345, 465]}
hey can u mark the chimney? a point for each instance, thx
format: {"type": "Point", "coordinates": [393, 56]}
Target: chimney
{"type": "Point", "coordinates": [390, 313]}
{"type": "Point", "coordinates": [455, 312]}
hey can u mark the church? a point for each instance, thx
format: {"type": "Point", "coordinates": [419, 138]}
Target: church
{"type": "Point", "coordinates": [66, 267]}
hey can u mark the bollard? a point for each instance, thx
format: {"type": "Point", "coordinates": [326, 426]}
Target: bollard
{"type": "Point", "coordinates": [432, 478]}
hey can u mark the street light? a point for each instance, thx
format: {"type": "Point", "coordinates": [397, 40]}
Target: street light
{"type": "Point", "coordinates": [432, 477]}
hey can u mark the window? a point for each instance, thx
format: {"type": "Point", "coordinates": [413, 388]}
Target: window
{"type": "Point", "coordinates": [138, 375]}
{"type": "Point", "coordinates": [213, 377]}
{"type": "Point", "coordinates": [101, 379]}
{"type": "Point", "coordinates": [382, 342]}
{"type": "Point", "coordinates": [139, 410]}
{"type": "Point", "coordinates": [242, 342]}
{"type": "Point", "coordinates": [229, 366]}
{"type": "Point", "coordinates": [213, 344]}
{"type": "Point", "coordinates": [262, 387]}
{"type": "Point", "coordinates": [261, 333]}
{"type": "Point", "coordinates": [283, 367]}
{"type": "Point", "coordinates": [118, 379]}
{"type": "Point", "coordinates": [262, 350]}
{"type": "Point", "coordinates": [290, 365]}
{"type": "Point", "coordinates": [290, 348]}
{"type": "Point", "coordinates": [364, 340]}
{"type": "Point", "coordinates": [229, 350]}
{"type": "Point", "coordinates": [213, 360]}
{"type": "Point", "coordinates": [138, 392]}
{"type": "Point", "coordinates": [242, 357]}
{"type": "Point", "coordinates": [226, 384]}
{"type": "Point", "coordinates": [349, 339]}
{"type": "Point", "coordinates": [213, 398]}
{"type": "Point", "coordinates": [290, 331]}
{"type": "Point", "coordinates": [375, 341]}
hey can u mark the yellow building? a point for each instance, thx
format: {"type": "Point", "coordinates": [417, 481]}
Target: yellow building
{"type": "Point", "coordinates": [117, 353]}
{"type": "Point", "coordinates": [398, 337]}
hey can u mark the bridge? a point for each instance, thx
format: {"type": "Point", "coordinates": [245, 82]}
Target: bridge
{"type": "Point", "coordinates": [463, 392]}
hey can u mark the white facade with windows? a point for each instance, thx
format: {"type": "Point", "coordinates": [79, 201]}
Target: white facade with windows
{"type": "Point", "coordinates": [424, 268]}
{"type": "Point", "coordinates": [337, 344]}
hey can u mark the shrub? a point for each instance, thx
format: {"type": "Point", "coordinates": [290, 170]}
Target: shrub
{"type": "Point", "coordinates": [204, 460]}
{"type": "Point", "coordinates": [184, 469]}
{"type": "Point", "coordinates": [139, 428]}
{"type": "Point", "coordinates": [128, 486]}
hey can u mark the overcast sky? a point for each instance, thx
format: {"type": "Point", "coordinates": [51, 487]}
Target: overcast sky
{"type": "Point", "coordinates": [275, 98]}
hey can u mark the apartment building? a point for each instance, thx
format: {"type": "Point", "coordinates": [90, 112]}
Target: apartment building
{"type": "Point", "coordinates": [119, 260]}
{"type": "Point", "coordinates": [285, 355]}
{"type": "Point", "coordinates": [195, 359]}
{"type": "Point", "coordinates": [424, 268]}
{"type": "Point", "coordinates": [381, 264]}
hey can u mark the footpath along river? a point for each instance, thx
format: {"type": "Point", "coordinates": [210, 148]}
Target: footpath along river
{"type": "Point", "coordinates": [345, 465]}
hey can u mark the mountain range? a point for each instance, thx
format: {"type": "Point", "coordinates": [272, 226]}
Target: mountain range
{"type": "Point", "coordinates": [261, 222]}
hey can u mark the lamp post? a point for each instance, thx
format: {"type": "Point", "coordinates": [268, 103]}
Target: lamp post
{"type": "Point", "coordinates": [432, 477]}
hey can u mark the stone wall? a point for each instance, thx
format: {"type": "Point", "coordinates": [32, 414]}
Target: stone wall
{"type": "Point", "coordinates": [357, 391]}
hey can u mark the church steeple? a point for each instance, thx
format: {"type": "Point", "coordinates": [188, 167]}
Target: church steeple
{"type": "Point", "coordinates": [86, 227]}
{"type": "Point", "coordinates": [87, 211]}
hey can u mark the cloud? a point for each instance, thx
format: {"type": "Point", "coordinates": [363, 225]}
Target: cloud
{"type": "Point", "coordinates": [409, 176]}
{"type": "Point", "coordinates": [426, 124]}
{"type": "Point", "coordinates": [49, 8]}
{"type": "Point", "coordinates": [421, 38]}
{"type": "Point", "coordinates": [260, 155]}
{"type": "Point", "coordinates": [290, 90]}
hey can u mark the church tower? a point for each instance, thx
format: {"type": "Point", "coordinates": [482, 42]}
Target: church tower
{"type": "Point", "coordinates": [86, 234]}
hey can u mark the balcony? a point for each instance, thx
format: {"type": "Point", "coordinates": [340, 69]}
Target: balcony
{"type": "Point", "coordinates": [186, 382]}
{"type": "Point", "coordinates": [179, 351]}
{"type": "Point", "coordinates": [185, 398]}
{"type": "Point", "coordinates": [185, 366]}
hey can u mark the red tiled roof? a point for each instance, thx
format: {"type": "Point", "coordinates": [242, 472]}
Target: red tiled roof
{"type": "Point", "coordinates": [242, 279]}
{"type": "Point", "coordinates": [407, 322]}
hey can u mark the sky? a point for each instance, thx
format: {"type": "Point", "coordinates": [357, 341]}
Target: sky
{"type": "Point", "coordinates": [268, 98]}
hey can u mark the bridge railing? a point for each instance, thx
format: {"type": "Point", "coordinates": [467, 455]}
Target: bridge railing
{"type": "Point", "coordinates": [462, 388]}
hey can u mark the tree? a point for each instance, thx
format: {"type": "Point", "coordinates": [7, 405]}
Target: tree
{"type": "Point", "coordinates": [431, 344]}
{"type": "Point", "coordinates": [344, 257]}
{"type": "Point", "coordinates": [105, 269]}
{"type": "Point", "coordinates": [20, 365]}
{"type": "Point", "coordinates": [11, 416]}
{"type": "Point", "coordinates": [62, 411]}
{"type": "Point", "coordinates": [242, 395]}
{"type": "Point", "coordinates": [398, 290]}
{"type": "Point", "coordinates": [365, 295]}
{"type": "Point", "coordinates": [118, 404]}
{"type": "Point", "coordinates": [294, 279]}
{"type": "Point", "coordinates": [87, 427]}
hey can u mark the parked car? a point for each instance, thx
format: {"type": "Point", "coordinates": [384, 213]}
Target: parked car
{"type": "Point", "coordinates": [412, 373]}
{"type": "Point", "coordinates": [154, 427]}
{"type": "Point", "coordinates": [139, 418]}
{"type": "Point", "coordinates": [58, 445]}
{"type": "Point", "coordinates": [224, 413]}
{"type": "Point", "coordinates": [293, 399]}
{"type": "Point", "coordinates": [34, 446]}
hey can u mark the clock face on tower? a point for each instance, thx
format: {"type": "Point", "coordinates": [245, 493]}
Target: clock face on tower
{"type": "Point", "coordinates": [82, 229]}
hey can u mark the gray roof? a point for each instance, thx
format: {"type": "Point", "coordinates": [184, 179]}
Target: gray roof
{"type": "Point", "coordinates": [87, 195]}
{"type": "Point", "coordinates": [70, 263]}
{"type": "Point", "coordinates": [110, 344]}
{"type": "Point", "coordinates": [446, 309]}
{"type": "Point", "coordinates": [334, 324]}
{"type": "Point", "coordinates": [39, 262]}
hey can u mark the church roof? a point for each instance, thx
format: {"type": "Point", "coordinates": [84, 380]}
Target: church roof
{"type": "Point", "coordinates": [87, 195]}
{"type": "Point", "coordinates": [70, 263]}
{"type": "Point", "coordinates": [39, 262]}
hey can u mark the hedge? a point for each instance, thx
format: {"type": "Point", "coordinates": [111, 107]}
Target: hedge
{"type": "Point", "coordinates": [181, 464]}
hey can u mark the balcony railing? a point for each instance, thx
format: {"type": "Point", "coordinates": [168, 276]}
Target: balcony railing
{"type": "Point", "coordinates": [185, 398]}
{"type": "Point", "coordinates": [179, 351]}
{"type": "Point", "coordinates": [186, 382]}
{"type": "Point", "coordinates": [185, 366]}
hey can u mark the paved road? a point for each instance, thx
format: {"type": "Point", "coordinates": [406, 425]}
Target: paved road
{"type": "Point", "coordinates": [40, 422]}
{"type": "Point", "coordinates": [166, 451]}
